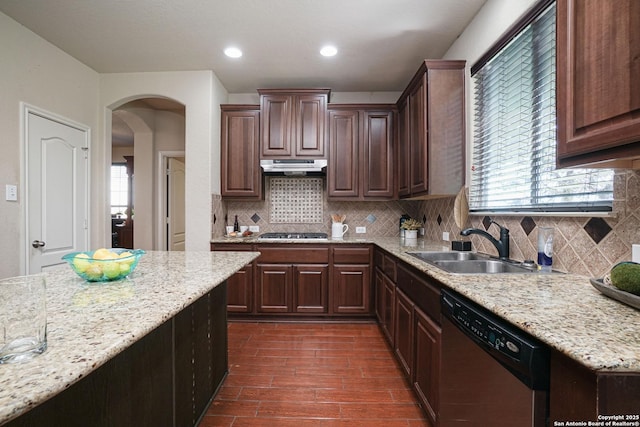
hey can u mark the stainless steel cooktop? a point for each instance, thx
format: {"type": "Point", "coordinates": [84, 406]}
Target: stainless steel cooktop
{"type": "Point", "coordinates": [293, 236]}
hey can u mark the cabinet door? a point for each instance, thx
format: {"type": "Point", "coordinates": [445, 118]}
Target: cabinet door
{"type": "Point", "coordinates": [240, 165]}
{"type": "Point", "coordinates": [351, 289]}
{"type": "Point", "coordinates": [403, 336]}
{"type": "Point", "coordinates": [379, 296]}
{"type": "Point", "coordinates": [418, 152]}
{"type": "Point", "coordinates": [378, 180]}
{"type": "Point", "coordinates": [309, 125]}
{"type": "Point", "coordinates": [276, 125]}
{"type": "Point", "coordinates": [273, 288]}
{"type": "Point", "coordinates": [598, 94]}
{"type": "Point", "coordinates": [388, 325]}
{"type": "Point", "coordinates": [310, 286]}
{"type": "Point", "coordinates": [427, 363]}
{"type": "Point", "coordinates": [404, 167]}
{"type": "Point", "coordinates": [343, 173]}
{"type": "Point", "coordinates": [240, 291]}
{"type": "Point", "coordinates": [432, 131]}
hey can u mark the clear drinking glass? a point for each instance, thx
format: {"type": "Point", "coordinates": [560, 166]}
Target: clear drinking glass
{"type": "Point", "coordinates": [23, 318]}
{"type": "Point", "coordinates": [545, 248]}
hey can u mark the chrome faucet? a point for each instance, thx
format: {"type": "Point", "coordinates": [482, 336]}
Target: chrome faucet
{"type": "Point", "coordinates": [501, 245]}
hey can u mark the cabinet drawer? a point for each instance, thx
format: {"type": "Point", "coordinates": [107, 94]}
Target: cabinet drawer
{"type": "Point", "coordinates": [352, 255]}
{"type": "Point", "coordinates": [389, 267]}
{"type": "Point", "coordinates": [425, 294]}
{"type": "Point", "coordinates": [378, 258]}
{"type": "Point", "coordinates": [293, 254]}
{"type": "Point", "coordinates": [231, 247]}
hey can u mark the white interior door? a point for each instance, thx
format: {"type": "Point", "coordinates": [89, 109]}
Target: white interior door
{"type": "Point", "coordinates": [175, 203]}
{"type": "Point", "coordinates": [56, 190]}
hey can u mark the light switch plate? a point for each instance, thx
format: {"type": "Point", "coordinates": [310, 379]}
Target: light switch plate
{"type": "Point", "coordinates": [361, 230]}
{"type": "Point", "coordinates": [445, 236]}
{"type": "Point", "coordinates": [12, 193]}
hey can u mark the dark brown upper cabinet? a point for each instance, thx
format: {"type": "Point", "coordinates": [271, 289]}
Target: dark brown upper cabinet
{"type": "Point", "coordinates": [431, 131]}
{"type": "Point", "coordinates": [293, 123]}
{"type": "Point", "coordinates": [239, 157]}
{"type": "Point", "coordinates": [598, 83]}
{"type": "Point", "coordinates": [361, 152]}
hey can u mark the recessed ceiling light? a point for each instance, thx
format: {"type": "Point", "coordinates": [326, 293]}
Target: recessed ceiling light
{"type": "Point", "coordinates": [328, 51]}
{"type": "Point", "coordinates": [233, 52]}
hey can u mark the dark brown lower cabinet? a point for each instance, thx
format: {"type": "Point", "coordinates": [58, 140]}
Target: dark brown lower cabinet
{"type": "Point", "coordinates": [403, 323]}
{"type": "Point", "coordinates": [385, 296]}
{"type": "Point", "coordinates": [310, 290]}
{"type": "Point", "coordinates": [408, 311]}
{"type": "Point", "coordinates": [351, 289]}
{"type": "Point", "coordinates": [273, 288]}
{"type": "Point", "coordinates": [240, 285]}
{"type": "Point", "coordinates": [389, 289]}
{"type": "Point", "coordinates": [292, 288]}
{"type": "Point", "coordinates": [302, 280]}
{"type": "Point", "coordinates": [168, 378]}
{"type": "Point", "coordinates": [427, 363]}
{"type": "Point", "coordinates": [579, 394]}
{"type": "Point", "coordinates": [240, 291]}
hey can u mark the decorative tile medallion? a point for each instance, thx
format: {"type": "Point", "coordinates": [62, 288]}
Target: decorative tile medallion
{"type": "Point", "coordinates": [597, 229]}
{"type": "Point", "coordinates": [527, 224]}
{"type": "Point", "coordinates": [296, 201]}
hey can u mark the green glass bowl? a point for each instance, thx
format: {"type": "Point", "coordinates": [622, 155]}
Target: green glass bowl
{"type": "Point", "coordinates": [104, 270]}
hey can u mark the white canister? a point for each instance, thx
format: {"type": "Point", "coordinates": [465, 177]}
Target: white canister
{"type": "Point", "coordinates": [411, 234]}
{"type": "Point", "coordinates": [338, 229]}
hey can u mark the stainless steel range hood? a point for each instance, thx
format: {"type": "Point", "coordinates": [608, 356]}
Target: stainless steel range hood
{"type": "Point", "coordinates": [294, 167]}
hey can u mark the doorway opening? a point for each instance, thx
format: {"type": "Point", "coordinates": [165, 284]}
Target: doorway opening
{"type": "Point", "coordinates": [171, 200]}
{"type": "Point", "coordinates": [141, 130]}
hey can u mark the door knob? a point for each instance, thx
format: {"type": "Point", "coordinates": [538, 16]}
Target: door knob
{"type": "Point", "coordinates": [37, 244]}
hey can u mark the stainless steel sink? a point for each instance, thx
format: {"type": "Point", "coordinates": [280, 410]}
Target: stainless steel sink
{"type": "Point", "coordinates": [471, 263]}
{"type": "Point", "coordinates": [484, 266]}
{"type": "Point", "coordinates": [446, 256]}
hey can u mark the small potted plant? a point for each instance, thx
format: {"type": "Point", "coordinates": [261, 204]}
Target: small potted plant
{"type": "Point", "coordinates": [411, 227]}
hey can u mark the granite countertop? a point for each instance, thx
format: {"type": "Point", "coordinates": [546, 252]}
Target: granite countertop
{"type": "Point", "coordinates": [88, 324]}
{"type": "Point", "coordinates": [562, 310]}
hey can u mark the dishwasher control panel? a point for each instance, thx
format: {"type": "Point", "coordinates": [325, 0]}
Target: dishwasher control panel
{"type": "Point", "coordinates": [486, 330]}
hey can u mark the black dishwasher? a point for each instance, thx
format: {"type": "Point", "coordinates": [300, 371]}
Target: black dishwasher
{"type": "Point", "coordinates": [493, 374]}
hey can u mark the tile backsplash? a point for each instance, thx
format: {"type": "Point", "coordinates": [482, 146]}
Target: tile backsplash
{"type": "Point", "coordinates": [295, 201]}
{"type": "Point", "coordinates": [379, 218]}
{"type": "Point", "coordinates": [584, 245]}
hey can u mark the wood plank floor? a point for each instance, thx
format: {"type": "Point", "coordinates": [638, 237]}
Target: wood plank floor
{"type": "Point", "coordinates": [312, 374]}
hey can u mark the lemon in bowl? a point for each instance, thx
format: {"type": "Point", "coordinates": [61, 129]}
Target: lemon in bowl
{"type": "Point", "coordinates": [104, 265]}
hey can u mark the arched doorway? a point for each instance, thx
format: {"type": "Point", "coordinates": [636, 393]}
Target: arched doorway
{"type": "Point", "coordinates": [143, 132]}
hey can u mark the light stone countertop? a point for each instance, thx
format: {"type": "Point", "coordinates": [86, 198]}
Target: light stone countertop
{"type": "Point", "coordinates": [88, 324]}
{"type": "Point", "coordinates": [562, 310]}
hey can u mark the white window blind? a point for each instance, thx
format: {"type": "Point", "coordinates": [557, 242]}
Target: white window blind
{"type": "Point", "coordinates": [514, 150]}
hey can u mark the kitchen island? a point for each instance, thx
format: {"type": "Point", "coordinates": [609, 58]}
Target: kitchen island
{"type": "Point", "coordinates": [135, 333]}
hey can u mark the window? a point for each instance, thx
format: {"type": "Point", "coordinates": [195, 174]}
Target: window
{"type": "Point", "coordinates": [514, 150]}
{"type": "Point", "coordinates": [119, 189]}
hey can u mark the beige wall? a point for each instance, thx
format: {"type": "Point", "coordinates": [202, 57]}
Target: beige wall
{"type": "Point", "coordinates": [35, 72]}
{"type": "Point", "coordinates": [38, 73]}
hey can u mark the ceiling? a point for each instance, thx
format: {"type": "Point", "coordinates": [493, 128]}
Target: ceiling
{"type": "Point", "coordinates": [380, 42]}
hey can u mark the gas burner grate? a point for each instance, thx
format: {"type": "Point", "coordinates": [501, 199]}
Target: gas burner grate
{"type": "Point", "coordinates": [293, 236]}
